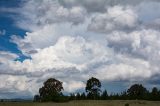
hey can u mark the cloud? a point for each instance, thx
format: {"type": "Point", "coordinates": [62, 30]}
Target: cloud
{"type": "Point", "coordinates": [155, 24]}
{"type": "Point", "coordinates": [93, 6]}
{"type": "Point", "coordinates": [126, 70]}
{"type": "Point", "coordinates": [138, 43]}
{"type": "Point", "coordinates": [146, 11]}
{"type": "Point", "coordinates": [46, 36]}
{"type": "Point", "coordinates": [8, 10]}
{"type": "Point", "coordinates": [67, 52]}
{"type": "Point", "coordinates": [147, 15]}
{"type": "Point", "coordinates": [38, 14]}
{"type": "Point", "coordinates": [88, 4]}
{"type": "Point", "coordinates": [2, 32]}
{"type": "Point", "coordinates": [16, 87]}
{"type": "Point", "coordinates": [73, 86]}
{"type": "Point", "coordinates": [30, 43]}
{"type": "Point", "coordinates": [6, 56]}
{"type": "Point", "coordinates": [116, 18]}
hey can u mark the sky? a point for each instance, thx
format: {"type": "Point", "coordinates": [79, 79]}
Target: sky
{"type": "Point", "coordinates": [116, 41]}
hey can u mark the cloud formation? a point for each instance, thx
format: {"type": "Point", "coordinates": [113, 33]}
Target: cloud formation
{"type": "Point", "coordinates": [2, 32]}
{"type": "Point", "coordinates": [48, 12]}
{"type": "Point", "coordinates": [113, 40]}
{"type": "Point", "coordinates": [116, 18]}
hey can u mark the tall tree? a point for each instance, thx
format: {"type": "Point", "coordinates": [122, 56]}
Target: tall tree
{"type": "Point", "coordinates": [104, 95]}
{"type": "Point", "coordinates": [51, 90]}
{"type": "Point", "coordinates": [93, 88]}
{"type": "Point", "coordinates": [137, 91]}
{"type": "Point", "coordinates": [72, 96]}
{"type": "Point", "coordinates": [155, 95]}
{"type": "Point", "coordinates": [78, 96]}
{"type": "Point", "coordinates": [124, 95]}
{"type": "Point", "coordinates": [83, 96]}
{"type": "Point", "coordinates": [37, 98]}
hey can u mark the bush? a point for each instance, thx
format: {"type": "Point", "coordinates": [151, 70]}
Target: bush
{"type": "Point", "coordinates": [61, 99]}
{"type": "Point", "coordinates": [127, 104]}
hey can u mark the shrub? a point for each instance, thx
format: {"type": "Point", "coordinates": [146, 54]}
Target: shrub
{"type": "Point", "coordinates": [127, 104]}
{"type": "Point", "coordinates": [61, 99]}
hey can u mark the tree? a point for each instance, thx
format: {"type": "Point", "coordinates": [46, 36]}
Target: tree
{"type": "Point", "coordinates": [78, 96]}
{"type": "Point", "coordinates": [51, 90]}
{"type": "Point", "coordinates": [124, 95]}
{"type": "Point", "coordinates": [83, 96]}
{"type": "Point", "coordinates": [93, 88]}
{"type": "Point", "coordinates": [104, 95]}
{"type": "Point", "coordinates": [154, 91]}
{"type": "Point", "coordinates": [155, 95]}
{"type": "Point", "coordinates": [36, 98]}
{"type": "Point", "coordinates": [72, 96]}
{"type": "Point", "coordinates": [137, 91]}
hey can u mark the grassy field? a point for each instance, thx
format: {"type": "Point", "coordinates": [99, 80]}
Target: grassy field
{"type": "Point", "coordinates": [86, 103]}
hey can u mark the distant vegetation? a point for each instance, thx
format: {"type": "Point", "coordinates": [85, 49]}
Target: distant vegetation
{"type": "Point", "coordinates": [52, 91]}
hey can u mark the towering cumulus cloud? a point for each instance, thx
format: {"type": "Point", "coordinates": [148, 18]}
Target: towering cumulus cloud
{"type": "Point", "coordinates": [72, 40]}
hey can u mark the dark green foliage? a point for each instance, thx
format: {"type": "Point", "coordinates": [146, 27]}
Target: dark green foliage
{"type": "Point", "coordinates": [51, 91]}
{"type": "Point", "coordinates": [127, 104]}
{"type": "Point", "coordinates": [78, 96]}
{"type": "Point", "coordinates": [1, 100]}
{"type": "Point", "coordinates": [61, 99]}
{"type": "Point", "coordinates": [93, 88]}
{"type": "Point", "coordinates": [104, 95]}
{"type": "Point", "coordinates": [83, 96]}
{"type": "Point", "coordinates": [37, 98]}
{"type": "Point", "coordinates": [114, 96]}
{"type": "Point", "coordinates": [72, 96]}
{"type": "Point", "coordinates": [123, 95]}
{"type": "Point", "coordinates": [154, 91]}
{"type": "Point", "coordinates": [137, 91]}
{"type": "Point", "coordinates": [155, 94]}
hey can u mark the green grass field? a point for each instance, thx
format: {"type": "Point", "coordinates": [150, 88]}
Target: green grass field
{"type": "Point", "coordinates": [86, 103]}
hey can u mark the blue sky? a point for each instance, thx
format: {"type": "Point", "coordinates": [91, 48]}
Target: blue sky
{"type": "Point", "coordinates": [116, 41]}
{"type": "Point", "coordinates": [9, 28]}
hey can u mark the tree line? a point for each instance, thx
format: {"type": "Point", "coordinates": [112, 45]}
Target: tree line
{"type": "Point", "coordinates": [52, 91]}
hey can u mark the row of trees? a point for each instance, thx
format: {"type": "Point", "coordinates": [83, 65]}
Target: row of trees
{"type": "Point", "coordinates": [52, 91]}
{"type": "Point", "coordinates": [135, 92]}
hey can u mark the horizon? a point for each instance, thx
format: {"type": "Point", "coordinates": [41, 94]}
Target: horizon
{"type": "Point", "coordinates": [116, 41]}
